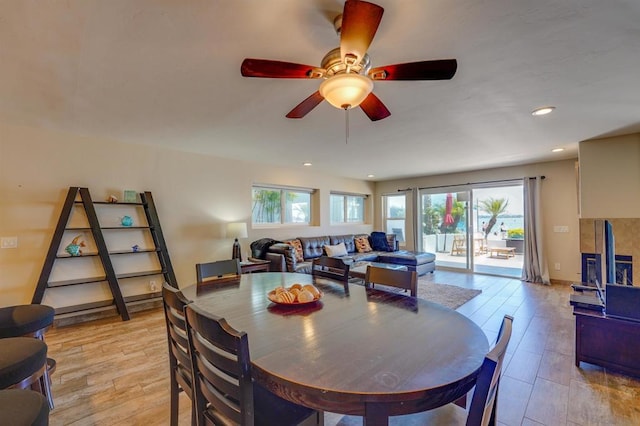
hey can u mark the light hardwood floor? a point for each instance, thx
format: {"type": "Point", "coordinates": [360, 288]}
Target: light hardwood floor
{"type": "Point", "coordinates": [113, 372]}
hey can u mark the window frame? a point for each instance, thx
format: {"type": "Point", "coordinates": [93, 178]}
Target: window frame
{"type": "Point", "coordinates": [345, 208]}
{"type": "Point", "coordinates": [386, 217]}
{"type": "Point", "coordinates": [283, 214]}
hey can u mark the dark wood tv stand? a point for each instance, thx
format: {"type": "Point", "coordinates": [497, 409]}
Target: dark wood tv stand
{"type": "Point", "coordinates": [607, 342]}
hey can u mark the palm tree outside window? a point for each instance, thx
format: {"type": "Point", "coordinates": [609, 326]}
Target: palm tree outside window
{"type": "Point", "coordinates": [274, 206]}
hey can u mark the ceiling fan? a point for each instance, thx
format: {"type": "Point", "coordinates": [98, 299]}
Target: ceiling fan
{"type": "Point", "coordinates": [347, 69]}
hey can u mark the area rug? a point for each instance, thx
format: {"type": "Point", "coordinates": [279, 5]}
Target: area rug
{"type": "Point", "coordinates": [450, 296]}
{"type": "Point", "coordinates": [447, 295]}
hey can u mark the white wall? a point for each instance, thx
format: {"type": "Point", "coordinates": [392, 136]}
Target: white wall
{"type": "Point", "coordinates": [610, 177]}
{"type": "Point", "coordinates": [610, 189]}
{"type": "Point", "coordinates": [195, 195]}
{"type": "Point", "coordinates": [559, 206]}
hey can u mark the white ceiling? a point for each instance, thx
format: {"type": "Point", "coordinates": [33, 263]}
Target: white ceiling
{"type": "Point", "coordinates": [167, 72]}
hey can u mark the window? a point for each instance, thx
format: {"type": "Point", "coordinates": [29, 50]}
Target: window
{"type": "Point", "coordinates": [346, 208]}
{"type": "Point", "coordinates": [395, 215]}
{"type": "Point", "coordinates": [274, 206]}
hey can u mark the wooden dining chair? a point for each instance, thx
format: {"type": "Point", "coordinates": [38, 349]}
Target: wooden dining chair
{"type": "Point", "coordinates": [484, 403]}
{"type": "Point", "coordinates": [407, 280]}
{"type": "Point", "coordinates": [224, 390]}
{"type": "Point", "coordinates": [218, 270]}
{"type": "Point", "coordinates": [332, 268]}
{"type": "Point", "coordinates": [179, 358]}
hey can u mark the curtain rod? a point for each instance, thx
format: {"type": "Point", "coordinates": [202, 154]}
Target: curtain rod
{"type": "Point", "coordinates": [468, 183]}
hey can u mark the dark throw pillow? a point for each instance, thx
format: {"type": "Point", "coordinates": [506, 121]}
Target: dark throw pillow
{"type": "Point", "coordinates": [379, 241]}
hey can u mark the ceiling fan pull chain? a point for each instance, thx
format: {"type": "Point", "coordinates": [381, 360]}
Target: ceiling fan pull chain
{"type": "Point", "coordinates": [346, 126]}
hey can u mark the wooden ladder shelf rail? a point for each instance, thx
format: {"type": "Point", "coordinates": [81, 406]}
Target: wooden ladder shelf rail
{"type": "Point", "coordinates": [95, 229]}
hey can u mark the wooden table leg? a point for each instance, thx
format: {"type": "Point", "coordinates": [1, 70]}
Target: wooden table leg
{"type": "Point", "coordinates": [376, 414]}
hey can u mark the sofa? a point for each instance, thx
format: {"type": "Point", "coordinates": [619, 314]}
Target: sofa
{"type": "Point", "coordinates": [297, 254]}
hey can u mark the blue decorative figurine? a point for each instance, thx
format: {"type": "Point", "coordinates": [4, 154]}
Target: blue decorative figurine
{"type": "Point", "coordinates": [74, 247]}
{"type": "Point", "coordinates": [135, 248]}
{"type": "Point", "coordinates": [127, 221]}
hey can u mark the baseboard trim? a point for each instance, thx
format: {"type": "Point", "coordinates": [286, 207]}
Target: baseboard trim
{"type": "Point", "coordinates": [561, 282]}
{"type": "Point", "coordinates": [110, 311]}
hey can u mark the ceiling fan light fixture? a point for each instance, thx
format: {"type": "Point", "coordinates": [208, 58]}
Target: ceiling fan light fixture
{"type": "Point", "coordinates": [346, 90]}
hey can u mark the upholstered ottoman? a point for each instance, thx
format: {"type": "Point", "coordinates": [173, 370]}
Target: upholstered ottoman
{"type": "Point", "coordinates": [420, 262]}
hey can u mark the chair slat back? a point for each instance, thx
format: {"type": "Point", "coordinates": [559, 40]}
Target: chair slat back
{"type": "Point", "coordinates": [174, 303]}
{"type": "Point", "coordinates": [407, 280]}
{"type": "Point", "coordinates": [483, 409]}
{"type": "Point", "coordinates": [330, 267]}
{"type": "Point", "coordinates": [221, 369]}
{"type": "Point", "coordinates": [218, 269]}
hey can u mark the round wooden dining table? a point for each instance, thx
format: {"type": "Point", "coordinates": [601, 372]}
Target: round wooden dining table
{"type": "Point", "coordinates": [357, 350]}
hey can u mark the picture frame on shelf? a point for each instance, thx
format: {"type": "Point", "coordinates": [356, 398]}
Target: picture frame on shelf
{"type": "Point", "coordinates": [129, 196]}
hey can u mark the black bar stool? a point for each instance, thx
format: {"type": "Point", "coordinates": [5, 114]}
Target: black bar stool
{"type": "Point", "coordinates": [21, 407]}
{"type": "Point", "coordinates": [23, 361]}
{"type": "Point", "coordinates": [30, 321]}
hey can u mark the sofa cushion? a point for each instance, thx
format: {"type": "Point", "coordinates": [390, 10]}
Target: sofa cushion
{"type": "Point", "coordinates": [379, 241]}
{"type": "Point", "coordinates": [297, 245]}
{"type": "Point", "coordinates": [371, 256]}
{"type": "Point", "coordinates": [362, 244]}
{"type": "Point", "coordinates": [303, 267]}
{"type": "Point", "coordinates": [336, 250]}
{"type": "Point", "coordinates": [409, 258]}
{"type": "Point", "coordinates": [313, 247]}
{"type": "Point", "coordinates": [348, 241]}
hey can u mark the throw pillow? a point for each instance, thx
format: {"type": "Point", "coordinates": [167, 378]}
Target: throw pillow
{"type": "Point", "coordinates": [297, 245]}
{"type": "Point", "coordinates": [362, 244]}
{"type": "Point", "coordinates": [337, 250]}
{"type": "Point", "coordinates": [379, 241]}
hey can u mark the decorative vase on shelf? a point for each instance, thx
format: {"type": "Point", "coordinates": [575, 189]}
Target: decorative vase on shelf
{"type": "Point", "coordinates": [127, 221]}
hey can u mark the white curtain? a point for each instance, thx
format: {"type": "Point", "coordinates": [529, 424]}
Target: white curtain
{"type": "Point", "coordinates": [535, 263]}
{"type": "Point", "coordinates": [416, 218]}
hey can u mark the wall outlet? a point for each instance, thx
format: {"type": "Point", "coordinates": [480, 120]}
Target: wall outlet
{"type": "Point", "coordinates": [153, 286]}
{"type": "Point", "coordinates": [556, 266]}
{"type": "Point", "coordinates": [8, 242]}
{"type": "Point", "coordinates": [562, 228]}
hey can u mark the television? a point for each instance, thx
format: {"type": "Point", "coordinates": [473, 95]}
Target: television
{"type": "Point", "coordinates": [605, 250]}
{"type": "Point", "coordinates": [610, 253]}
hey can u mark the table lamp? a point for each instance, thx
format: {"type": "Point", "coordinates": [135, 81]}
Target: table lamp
{"type": "Point", "coordinates": [237, 230]}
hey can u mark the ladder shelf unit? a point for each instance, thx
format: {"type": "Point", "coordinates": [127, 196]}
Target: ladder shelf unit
{"type": "Point", "coordinates": [80, 198]}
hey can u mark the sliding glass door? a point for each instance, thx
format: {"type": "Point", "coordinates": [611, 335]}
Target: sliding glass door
{"type": "Point", "coordinates": [478, 228]}
{"type": "Point", "coordinates": [444, 227]}
{"type": "Point", "coordinates": [498, 212]}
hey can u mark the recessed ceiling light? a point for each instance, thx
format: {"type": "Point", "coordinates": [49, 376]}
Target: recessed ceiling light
{"type": "Point", "coordinates": [307, 164]}
{"type": "Point", "coordinates": [371, 176]}
{"type": "Point", "coordinates": [557, 150]}
{"type": "Point", "coordinates": [543, 110]}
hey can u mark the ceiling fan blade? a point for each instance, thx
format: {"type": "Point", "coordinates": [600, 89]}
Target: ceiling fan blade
{"type": "Point", "coordinates": [443, 69]}
{"type": "Point", "coordinates": [374, 108]}
{"type": "Point", "coordinates": [360, 20]}
{"type": "Point", "coordinates": [306, 106]}
{"type": "Point", "coordinates": [276, 69]}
